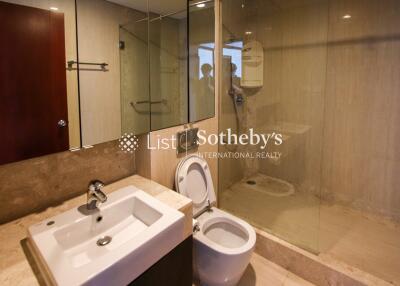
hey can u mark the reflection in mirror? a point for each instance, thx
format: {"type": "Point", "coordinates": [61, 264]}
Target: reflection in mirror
{"type": "Point", "coordinates": [112, 32]}
{"type": "Point", "coordinates": [135, 103]}
{"type": "Point", "coordinates": [201, 64]}
{"type": "Point", "coordinates": [143, 84]}
{"type": "Point", "coordinates": [168, 63]}
{"type": "Point", "coordinates": [129, 75]}
{"type": "Point", "coordinates": [39, 95]}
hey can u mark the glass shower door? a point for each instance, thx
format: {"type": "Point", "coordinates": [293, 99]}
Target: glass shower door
{"type": "Point", "coordinates": [278, 188]}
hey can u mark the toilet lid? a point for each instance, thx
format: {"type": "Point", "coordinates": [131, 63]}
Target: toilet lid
{"type": "Point", "coordinates": [193, 180]}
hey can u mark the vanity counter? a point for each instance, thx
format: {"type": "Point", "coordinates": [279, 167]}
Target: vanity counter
{"type": "Point", "coordinates": [16, 263]}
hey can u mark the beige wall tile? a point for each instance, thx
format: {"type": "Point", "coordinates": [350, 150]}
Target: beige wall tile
{"type": "Point", "coordinates": [338, 80]}
{"type": "Point", "coordinates": [161, 164]}
{"type": "Point", "coordinates": [38, 183]}
{"type": "Point", "coordinates": [362, 104]}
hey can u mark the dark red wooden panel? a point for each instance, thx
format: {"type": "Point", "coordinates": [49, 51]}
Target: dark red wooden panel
{"type": "Point", "coordinates": [33, 93]}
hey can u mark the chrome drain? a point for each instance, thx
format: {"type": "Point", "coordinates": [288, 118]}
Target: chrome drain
{"type": "Point", "coordinates": [102, 241]}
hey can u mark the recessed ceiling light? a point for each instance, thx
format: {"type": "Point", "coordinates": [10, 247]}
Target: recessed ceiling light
{"type": "Point", "coordinates": [201, 5]}
{"type": "Point", "coordinates": [248, 32]}
{"type": "Point", "coordinates": [54, 8]}
{"type": "Point", "coordinates": [347, 16]}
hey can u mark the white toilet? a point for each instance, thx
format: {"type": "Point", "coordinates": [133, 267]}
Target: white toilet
{"type": "Point", "coordinates": [223, 244]}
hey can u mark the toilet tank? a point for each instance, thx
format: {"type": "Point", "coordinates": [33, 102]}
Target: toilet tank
{"type": "Point", "coordinates": [252, 65]}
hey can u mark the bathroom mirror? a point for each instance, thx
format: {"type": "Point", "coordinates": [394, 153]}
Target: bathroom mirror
{"type": "Point", "coordinates": [39, 110]}
{"type": "Point", "coordinates": [201, 61]}
{"type": "Point", "coordinates": [177, 29]}
{"type": "Point", "coordinates": [84, 72]}
{"type": "Point", "coordinates": [113, 70]}
{"type": "Point", "coordinates": [168, 63]}
{"type": "Point", "coordinates": [180, 30]}
{"type": "Point", "coordinates": [143, 85]}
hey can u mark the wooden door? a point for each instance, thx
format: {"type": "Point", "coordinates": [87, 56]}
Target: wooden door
{"type": "Point", "coordinates": [33, 92]}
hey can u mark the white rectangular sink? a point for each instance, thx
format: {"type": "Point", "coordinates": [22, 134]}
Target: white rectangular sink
{"type": "Point", "coordinates": [142, 230]}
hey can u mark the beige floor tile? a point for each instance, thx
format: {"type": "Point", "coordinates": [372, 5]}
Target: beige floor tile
{"type": "Point", "coordinates": [294, 280]}
{"type": "Point", "coordinates": [262, 272]}
{"type": "Point", "coordinates": [362, 241]}
{"type": "Point", "coordinates": [367, 242]}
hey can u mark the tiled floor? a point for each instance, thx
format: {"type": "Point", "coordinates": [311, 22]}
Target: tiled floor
{"type": "Point", "coordinates": [262, 272]}
{"type": "Point", "coordinates": [369, 243]}
{"type": "Point", "coordinates": [365, 242]}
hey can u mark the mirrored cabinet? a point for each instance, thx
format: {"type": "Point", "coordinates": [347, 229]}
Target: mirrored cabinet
{"type": "Point", "coordinates": [77, 73]}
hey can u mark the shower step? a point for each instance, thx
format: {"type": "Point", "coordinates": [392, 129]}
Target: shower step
{"type": "Point", "coordinates": [313, 268]}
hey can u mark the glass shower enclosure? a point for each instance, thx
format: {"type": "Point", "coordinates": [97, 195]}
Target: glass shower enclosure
{"type": "Point", "coordinates": [327, 81]}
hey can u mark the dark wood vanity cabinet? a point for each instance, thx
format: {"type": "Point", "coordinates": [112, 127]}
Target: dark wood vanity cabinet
{"type": "Point", "coordinates": [174, 269]}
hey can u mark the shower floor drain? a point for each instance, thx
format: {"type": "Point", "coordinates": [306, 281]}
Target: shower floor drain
{"type": "Point", "coordinates": [269, 185]}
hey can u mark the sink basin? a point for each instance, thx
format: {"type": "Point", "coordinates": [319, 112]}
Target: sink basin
{"type": "Point", "coordinates": [111, 246]}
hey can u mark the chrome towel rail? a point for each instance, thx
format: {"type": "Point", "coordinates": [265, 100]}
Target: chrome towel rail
{"type": "Point", "coordinates": [103, 66]}
{"type": "Point", "coordinates": [163, 102]}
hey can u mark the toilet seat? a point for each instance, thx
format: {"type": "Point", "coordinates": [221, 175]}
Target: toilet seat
{"type": "Point", "coordinates": [193, 171]}
{"type": "Point", "coordinates": [223, 243]}
{"type": "Point", "coordinates": [193, 180]}
{"type": "Point", "coordinates": [231, 223]}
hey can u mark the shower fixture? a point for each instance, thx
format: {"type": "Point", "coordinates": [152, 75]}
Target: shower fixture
{"type": "Point", "coordinates": [236, 95]}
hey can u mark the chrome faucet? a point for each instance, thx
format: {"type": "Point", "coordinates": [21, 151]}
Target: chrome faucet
{"type": "Point", "coordinates": [95, 195]}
